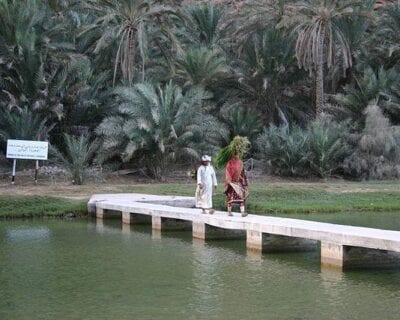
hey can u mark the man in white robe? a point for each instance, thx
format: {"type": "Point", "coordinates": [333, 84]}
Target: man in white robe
{"type": "Point", "coordinates": [206, 180]}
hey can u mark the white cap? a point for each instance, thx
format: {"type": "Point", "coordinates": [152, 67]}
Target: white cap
{"type": "Point", "coordinates": [206, 158]}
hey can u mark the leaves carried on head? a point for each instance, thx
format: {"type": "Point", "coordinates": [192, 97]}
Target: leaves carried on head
{"type": "Point", "coordinates": [239, 146]}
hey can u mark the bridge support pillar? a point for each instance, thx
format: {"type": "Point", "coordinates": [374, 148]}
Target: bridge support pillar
{"type": "Point", "coordinates": [169, 224]}
{"type": "Point", "coordinates": [99, 213]}
{"type": "Point", "coordinates": [332, 255]}
{"type": "Point", "coordinates": [204, 231]}
{"type": "Point", "coordinates": [266, 242]}
{"type": "Point", "coordinates": [348, 257]}
{"type": "Point", "coordinates": [126, 217]}
{"type": "Point", "coordinates": [135, 218]}
{"type": "Point", "coordinates": [99, 225]}
{"type": "Point", "coordinates": [105, 213]}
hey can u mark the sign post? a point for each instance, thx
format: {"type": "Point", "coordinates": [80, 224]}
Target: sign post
{"type": "Point", "coordinates": [26, 149]}
{"type": "Point", "coordinates": [36, 171]}
{"type": "Point", "coordinates": [13, 171]}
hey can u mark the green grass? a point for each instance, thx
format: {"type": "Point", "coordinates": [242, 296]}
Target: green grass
{"type": "Point", "coordinates": [308, 201]}
{"type": "Point", "coordinates": [264, 198]}
{"type": "Point", "coordinates": [37, 206]}
{"type": "Point", "coordinates": [298, 198]}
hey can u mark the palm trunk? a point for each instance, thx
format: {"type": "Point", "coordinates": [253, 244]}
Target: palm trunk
{"type": "Point", "coordinates": [319, 80]}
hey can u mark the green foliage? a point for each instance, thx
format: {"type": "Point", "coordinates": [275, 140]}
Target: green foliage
{"type": "Point", "coordinates": [379, 88]}
{"type": "Point", "coordinates": [159, 125]}
{"type": "Point", "coordinates": [319, 149]}
{"type": "Point", "coordinates": [241, 121]}
{"type": "Point", "coordinates": [327, 147]}
{"type": "Point", "coordinates": [38, 67]}
{"type": "Point", "coordinates": [201, 66]}
{"type": "Point", "coordinates": [284, 148]}
{"type": "Point", "coordinates": [290, 197]}
{"type": "Point", "coordinates": [23, 125]}
{"type": "Point", "coordinates": [266, 198]}
{"type": "Point", "coordinates": [376, 150]}
{"type": "Point", "coordinates": [223, 156]}
{"type": "Point", "coordinates": [239, 146]}
{"type": "Point", "coordinates": [318, 27]}
{"type": "Point", "coordinates": [204, 22]}
{"type": "Point", "coordinates": [78, 154]}
{"type": "Point", "coordinates": [268, 76]}
{"type": "Point", "coordinates": [123, 24]}
{"type": "Point", "coordinates": [253, 17]}
{"type": "Point", "coordinates": [58, 60]}
{"type": "Point", "coordinates": [39, 206]}
{"type": "Point", "coordinates": [381, 46]}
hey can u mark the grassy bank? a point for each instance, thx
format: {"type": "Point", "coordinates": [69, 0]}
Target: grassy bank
{"type": "Point", "coordinates": [301, 198]}
{"type": "Point", "coordinates": [265, 198]}
{"type": "Point", "coordinates": [36, 206]}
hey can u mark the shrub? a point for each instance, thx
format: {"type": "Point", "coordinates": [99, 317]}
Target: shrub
{"type": "Point", "coordinates": [377, 149]}
{"type": "Point", "coordinates": [157, 126]}
{"type": "Point", "coordinates": [79, 152]}
{"type": "Point", "coordinates": [318, 149]}
{"type": "Point", "coordinates": [326, 146]}
{"type": "Point", "coordinates": [284, 149]}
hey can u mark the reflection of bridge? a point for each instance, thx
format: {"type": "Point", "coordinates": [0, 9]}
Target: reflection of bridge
{"type": "Point", "coordinates": [341, 246]}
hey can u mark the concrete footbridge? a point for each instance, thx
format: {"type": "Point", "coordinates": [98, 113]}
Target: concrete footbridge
{"type": "Point", "coordinates": [341, 246]}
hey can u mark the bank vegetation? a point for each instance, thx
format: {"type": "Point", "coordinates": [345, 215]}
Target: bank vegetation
{"type": "Point", "coordinates": [151, 85]}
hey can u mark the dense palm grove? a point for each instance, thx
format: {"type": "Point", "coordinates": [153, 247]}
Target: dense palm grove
{"type": "Point", "coordinates": [314, 85]}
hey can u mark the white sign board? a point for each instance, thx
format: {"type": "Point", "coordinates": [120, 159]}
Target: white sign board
{"type": "Point", "coordinates": [26, 149]}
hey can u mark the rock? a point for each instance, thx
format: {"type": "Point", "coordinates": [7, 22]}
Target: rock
{"type": "Point", "coordinates": [70, 215]}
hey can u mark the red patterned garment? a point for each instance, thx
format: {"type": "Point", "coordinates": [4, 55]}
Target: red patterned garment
{"type": "Point", "coordinates": [236, 184]}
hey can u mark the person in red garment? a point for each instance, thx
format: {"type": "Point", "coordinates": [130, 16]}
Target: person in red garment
{"type": "Point", "coordinates": [236, 185]}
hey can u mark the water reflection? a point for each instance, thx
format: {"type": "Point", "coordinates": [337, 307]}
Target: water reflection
{"type": "Point", "coordinates": [113, 271]}
{"type": "Point", "coordinates": [205, 279]}
{"type": "Point", "coordinates": [27, 234]}
{"type": "Point", "coordinates": [156, 234]}
{"type": "Point", "coordinates": [126, 230]}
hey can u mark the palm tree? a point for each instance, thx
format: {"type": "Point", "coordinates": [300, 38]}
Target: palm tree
{"type": "Point", "coordinates": [317, 24]}
{"type": "Point", "coordinates": [158, 126]}
{"type": "Point", "coordinates": [20, 46]}
{"type": "Point", "coordinates": [241, 121]}
{"type": "Point", "coordinates": [79, 152]}
{"type": "Point", "coordinates": [377, 87]}
{"type": "Point", "coordinates": [253, 17]}
{"type": "Point", "coordinates": [388, 36]}
{"type": "Point", "coordinates": [201, 66]}
{"type": "Point", "coordinates": [122, 24]}
{"type": "Point", "coordinates": [268, 77]}
{"type": "Point", "coordinates": [326, 146]}
{"type": "Point", "coordinates": [36, 56]}
{"type": "Point", "coordinates": [204, 23]}
{"type": "Point", "coordinates": [284, 149]}
{"type": "Point", "coordinates": [24, 125]}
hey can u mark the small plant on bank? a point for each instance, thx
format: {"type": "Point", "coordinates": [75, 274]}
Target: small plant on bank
{"type": "Point", "coordinates": [78, 154]}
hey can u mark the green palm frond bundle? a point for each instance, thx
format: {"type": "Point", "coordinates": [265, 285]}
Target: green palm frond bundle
{"type": "Point", "coordinates": [223, 157]}
{"type": "Point", "coordinates": [239, 146]}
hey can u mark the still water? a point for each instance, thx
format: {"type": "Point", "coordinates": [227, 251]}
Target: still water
{"type": "Point", "coordinates": [54, 269]}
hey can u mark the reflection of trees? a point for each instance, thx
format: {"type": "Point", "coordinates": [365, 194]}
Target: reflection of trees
{"type": "Point", "coordinates": [24, 266]}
